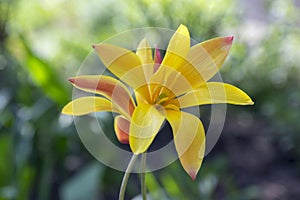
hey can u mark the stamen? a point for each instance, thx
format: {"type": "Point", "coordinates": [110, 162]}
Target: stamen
{"type": "Point", "coordinates": [162, 100]}
{"type": "Point", "coordinates": [172, 107]}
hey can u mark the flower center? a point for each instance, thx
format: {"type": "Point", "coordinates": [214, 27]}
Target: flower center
{"type": "Point", "coordinates": [163, 99]}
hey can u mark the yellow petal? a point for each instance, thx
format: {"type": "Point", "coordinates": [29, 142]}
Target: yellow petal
{"type": "Point", "coordinates": [125, 64]}
{"type": "Point", "coordinates": [145, 124]}
{"type": "Point", "coordinates": [86, 105]}
{"type": "Point", "coordinates": [178, 48]}
{"type": "Point", "coordinates": [167, 73]}
{"type": "Point", "coordinates": [191, 74]}
{"type": "Point", "coordinates": [122, 125]}
{"type": "Point", "coordinates": [109, 87]}
{"type": "Point", "coordinates": [215, 93]}
{"type": "Point", "coordinates": [189, 140]}
{"type": "Point", "coordinates": [208, 57]}
{"type": "Point", "coordinates": [171, 79]}
{"type": "Point", "coordinates": [142, 95]}
{"type": "Point", "coordinates": [144, 51]}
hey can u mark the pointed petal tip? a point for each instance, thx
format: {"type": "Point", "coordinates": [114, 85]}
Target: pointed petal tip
{"type": "Point", "coordinates": [144, 40]}
{"type": "Point", "coordinates": [182, 26]}
{"type": "Point", "coordinates": [72, 80]}
{"type": "Point", "coordinates": [229, 40]}
{"type": "Point", "coordinates": [96, 46]}
{"type": "Point", "coordinates": [250, 101]}
{"type": "Point", "coordinates": [193, 174]}
{"type": "Point", "coordinates": [63, 111]}
{"type": "Point", "coordinates": [183, 29]}
{"type": "Point", "coordinates": [124, 141]}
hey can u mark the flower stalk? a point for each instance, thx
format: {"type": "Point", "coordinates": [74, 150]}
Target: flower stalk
{"type": "Point", "coordinates": [143, 176]}
{"type": "Point", "coordinates": [126, 176]}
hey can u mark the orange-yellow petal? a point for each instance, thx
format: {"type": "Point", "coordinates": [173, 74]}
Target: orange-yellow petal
{"type": "Point", "coordinates": [189, 140]}
{"type": "Point", "coordinates": [215, 93]}
{"type": "Point", "coordinates": [86, 105]}
{"type": "Point", "coordinates": [122, 125]}
{"type": "Point", "coordinates": [109, 87]}
{"type": "Point", "coordinates": [145, 124]}
{"type": "Point", "coordinates": [208, 57]}
{"type": "Point", "coordinates": [125, 64]}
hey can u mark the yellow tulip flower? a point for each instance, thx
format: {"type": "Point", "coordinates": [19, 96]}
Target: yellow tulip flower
{"type": "Point", "coordinates": [162, 88]}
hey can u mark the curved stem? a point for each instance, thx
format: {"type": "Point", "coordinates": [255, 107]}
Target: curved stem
{"type": "Point", "coordinates": [143, 179]}
{"type": "Point", "coordinates": [126, 176]}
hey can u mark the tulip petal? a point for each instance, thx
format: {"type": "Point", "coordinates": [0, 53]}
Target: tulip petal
{"type": "Point", "coordinates": [171, 79]}
{"type": "Point", "coordinates": [178, 48]}
{"type": "Point", "coordinates": [157, 59]}
{"type": "Point", "coordinates": [215, 93]}
{"type": "Point", "coordinates": [208, 57]}
{"type": "Point", "coordinates": [144, 51]}
{"type": "Point", "coordinates": [142, 94]}
{"type": "Point", "coordinates": [125, 64]}
{"type": "Point", "coordinates": [122, 125]}
{"type": "Point", "coordinates": [167, 73]}
{"type": "Point", "coordinates": [189, 140]}
{"type": "Point", "coordinates": [109, 87]}
{"type": "Point", "coordinates": [191, 74]}
{"type": "Point", "coordinates": [145, 124]}
{"type": "Point", "coordinates": [86, 105]}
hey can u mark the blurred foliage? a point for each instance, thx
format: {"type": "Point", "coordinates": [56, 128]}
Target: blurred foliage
{"type": "Point", "coordinates": [44, 42]}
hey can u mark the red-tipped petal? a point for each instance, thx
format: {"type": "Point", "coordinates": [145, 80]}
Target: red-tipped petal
{"type": "Point", "coordinates": [72, 80]}
{"type": "Point", "coordinates": [109, 87]}
{"type": "Point", "coordinates": [193, 174]}
{"type": "Point", "coordinates": [229, 40]}
{"type": "Point", "coordinates": [189, 140]}
{"type": "Point", "coordinates": [122, 129]}
{"type": "Point", "coordinates": [209, 56]}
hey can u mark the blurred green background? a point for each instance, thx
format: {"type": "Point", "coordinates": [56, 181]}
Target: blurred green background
{"type": "Point", "coordinates": [43, 42]}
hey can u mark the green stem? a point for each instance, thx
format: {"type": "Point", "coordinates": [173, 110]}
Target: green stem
{"type": "Point", "coordinates": [143, 179]}
{"type": "Point", "coordinates": [126, 176]}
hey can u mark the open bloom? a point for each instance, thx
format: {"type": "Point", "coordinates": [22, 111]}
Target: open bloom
{"type": "Point", "coordinates": [162, 88]}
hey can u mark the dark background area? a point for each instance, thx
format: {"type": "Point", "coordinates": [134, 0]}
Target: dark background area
{"type": "Point", "coordinates": [43, 42]}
